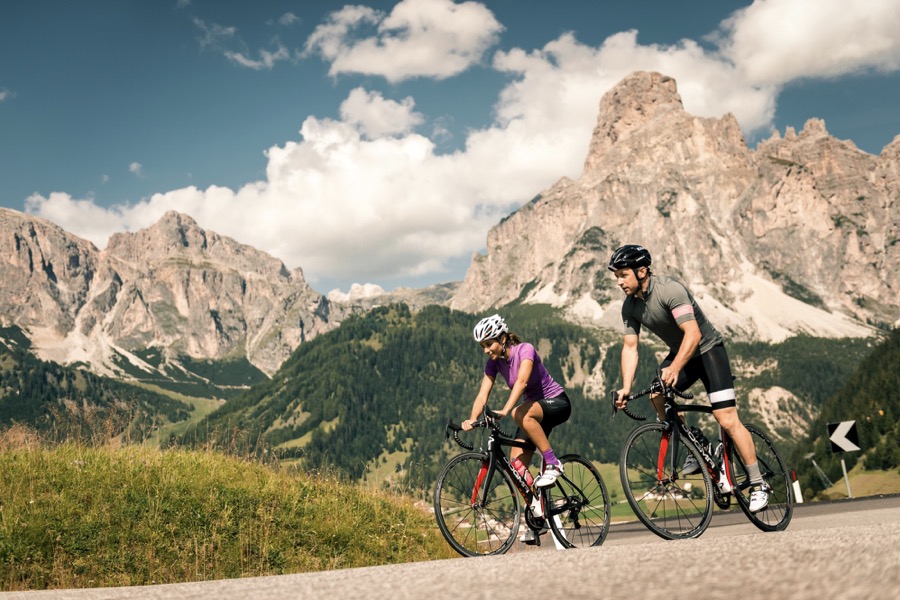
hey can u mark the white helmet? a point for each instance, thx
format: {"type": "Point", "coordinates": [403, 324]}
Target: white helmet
{"type": "Point", "coordinates": [490, 328]}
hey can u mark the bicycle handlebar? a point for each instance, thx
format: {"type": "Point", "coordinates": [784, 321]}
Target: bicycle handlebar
{"type": "Point", "coordinates": [656, 387]}
{"type": "Point", "coordinates": [488, 419]}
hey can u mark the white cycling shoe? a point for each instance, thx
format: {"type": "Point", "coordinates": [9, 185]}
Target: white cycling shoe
{"type": "Point", "coordinates": [759, 497]}
{"type": "Point", "coordinates": [549, 476]}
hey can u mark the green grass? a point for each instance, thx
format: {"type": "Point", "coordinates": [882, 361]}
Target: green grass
{"type": "Point", "coordinates": [76, 516]}
{"type": "Point", "coordinates": [862, 483]}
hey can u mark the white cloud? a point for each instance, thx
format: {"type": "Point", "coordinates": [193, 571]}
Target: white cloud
{"type": "Point", "coordinates": [214, 35]}
{"type": "Point", "coordinates": [775, 41]}
{"type": "Point", "coordinates": [225, 40]}
{"type": "Point", "coordinates": [420, 38]}
{"type": "Point", "coordinates": [266, 60]}
{"type": "Point", "coordinates": [367, 197]}
{"type": "Point", "coordinates": [374, 116]}
{"type": "Point", "coordinates": [5, 94]}
{"type": "Point", "coordinates": [288, 19]}
{"type": "Point", "coordinates": [136, 168]}
{"type": "Point", "coordinates": [81, 217]}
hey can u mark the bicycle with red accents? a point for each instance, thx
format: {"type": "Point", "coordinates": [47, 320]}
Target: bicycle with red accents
{"type": "Point", "coordinates": [480, 500]}
{"type": "Point", "coordinates": [675, 505]}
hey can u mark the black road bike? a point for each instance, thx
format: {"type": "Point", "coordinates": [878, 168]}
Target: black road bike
{"type": "Point", "coordinates": [675, 505]}
{"type": "Point", "coordinates": [479, 498]}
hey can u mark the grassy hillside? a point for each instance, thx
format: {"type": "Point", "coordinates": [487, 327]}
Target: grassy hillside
{"type": "Point", "coordinates": [79, 516]}
{"type": "Point", "coordinates": [372, 397]}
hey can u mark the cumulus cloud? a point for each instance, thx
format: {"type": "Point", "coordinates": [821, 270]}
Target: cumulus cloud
{"type": "Point", "coordinates": [376, 116]}
{"type": "Point", "coordinates": [136, 168]}
{"type": "Point", "coordinates": [775, 41]}
{"type": "Point", "coordinates": [419, 38]}
{"type": "Point", "coordinates": [366, 196]}
{"type": "Point", "coordinates": [81, 217]}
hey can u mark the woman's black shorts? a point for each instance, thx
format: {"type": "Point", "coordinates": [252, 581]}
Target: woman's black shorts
{"type": "Point", "coordinates": [556, 410]}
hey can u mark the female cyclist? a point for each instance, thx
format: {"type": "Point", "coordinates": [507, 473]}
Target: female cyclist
{"type": "Point", "coordinates": [544, 402]}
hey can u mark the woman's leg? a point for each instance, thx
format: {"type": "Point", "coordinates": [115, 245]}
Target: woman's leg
{"type": "Point", "coordinates": [528, 416]}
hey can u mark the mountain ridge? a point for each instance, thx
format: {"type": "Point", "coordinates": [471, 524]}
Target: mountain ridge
{"type": "Point", "coordinates": [797, 236]}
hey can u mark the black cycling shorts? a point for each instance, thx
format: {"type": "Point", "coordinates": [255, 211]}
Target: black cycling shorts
{"type": "Point", "coordinates": [557, 410]}
{"type": "Point", "coordinates": [714, 370]}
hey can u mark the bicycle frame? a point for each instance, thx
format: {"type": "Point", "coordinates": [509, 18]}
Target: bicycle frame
{"type": "Point", "coordinates": [678, 428]}
{"type": "Point", "coordinates": [496, 456]}
{"type": "Point", "coordinates": [497, 440]}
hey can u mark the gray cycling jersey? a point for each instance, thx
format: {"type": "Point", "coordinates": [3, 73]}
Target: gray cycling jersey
{"type": "Point", "coordinates": [666, 304]}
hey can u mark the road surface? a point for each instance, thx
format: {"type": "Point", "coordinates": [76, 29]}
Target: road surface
{"type": "Point", "coordinates": [845, 549]}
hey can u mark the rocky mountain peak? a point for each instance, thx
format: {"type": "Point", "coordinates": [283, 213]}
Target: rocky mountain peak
{"type": "Point", "coordinates": [629, 106]}
{"type": "Point", "coordinates": [798, 235]}
{"type": "Point", "coordinates": [173, 287]}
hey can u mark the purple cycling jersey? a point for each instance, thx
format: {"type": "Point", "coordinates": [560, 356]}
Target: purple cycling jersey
{"type": "Point", "coordinates": [540, 384]}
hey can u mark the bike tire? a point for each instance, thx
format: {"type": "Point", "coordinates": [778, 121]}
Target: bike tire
{"type": "Point", "coordinates": [577, 505]}
{"type": "Point", "coordinates": [673, 506]}
{"type": "Point", "coordinates": [489, 524]}
{"type": "Point", "coordinates": [777, 515]}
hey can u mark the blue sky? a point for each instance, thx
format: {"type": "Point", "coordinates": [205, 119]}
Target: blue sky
{"type": "Point", "coordinates": [378, 142]}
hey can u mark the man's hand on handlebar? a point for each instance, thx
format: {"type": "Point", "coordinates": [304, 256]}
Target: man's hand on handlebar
{"type": "Point", "coordinates": [621, 398]}
{"type": "Point", "coordinates": [669, 375]}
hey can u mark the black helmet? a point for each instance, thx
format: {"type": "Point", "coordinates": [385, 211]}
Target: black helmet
{"type": "Point", "coordinates": [630, 256]}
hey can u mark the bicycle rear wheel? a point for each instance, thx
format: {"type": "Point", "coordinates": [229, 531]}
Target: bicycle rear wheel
{"type": "Point", "coordinates": [577, 505]}
{"type": "Point", "coordinates": [672, 505]}
{"type": "Point", "coordinates": [477, 517]}
{"type": "Point", "coordinates": [777, 515]}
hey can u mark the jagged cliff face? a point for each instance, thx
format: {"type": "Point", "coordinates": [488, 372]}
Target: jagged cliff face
{"type": "Point", "coordinates": [797, 236]}
{"type": "Point", "coordinates": [173, 287]}
{"type": "Point", "coordinates": [47, 273]}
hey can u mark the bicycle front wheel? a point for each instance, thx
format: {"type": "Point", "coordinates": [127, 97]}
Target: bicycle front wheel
{"type": "Point", "coordinates": [577, 505]}
{"type": "Point", "coordinates": [777, 514]}
{"type": "Point", "coordinates": [477, 517]}
{"type": "Point", "coordinates": [673, 505]}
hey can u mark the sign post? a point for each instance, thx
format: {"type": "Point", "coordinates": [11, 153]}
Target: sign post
{"type": "Point", "coordinates": [844, 438]}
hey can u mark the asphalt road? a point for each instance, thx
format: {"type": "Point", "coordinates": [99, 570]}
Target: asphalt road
{"type": "Point", "coordinates": [846, 549]}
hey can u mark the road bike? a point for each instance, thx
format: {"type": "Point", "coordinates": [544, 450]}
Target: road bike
{"type": "Point", "coordinates": [676, 505]}
{"type": "Point", "coordinates": [477, 498]}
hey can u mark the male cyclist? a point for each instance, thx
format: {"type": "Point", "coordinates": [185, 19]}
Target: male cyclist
{"type": "Point", "coordinates": [696, 351]}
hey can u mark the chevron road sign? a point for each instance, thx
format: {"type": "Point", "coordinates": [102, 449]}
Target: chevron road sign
{"type": "Point", "coordinates": [843, 436]}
